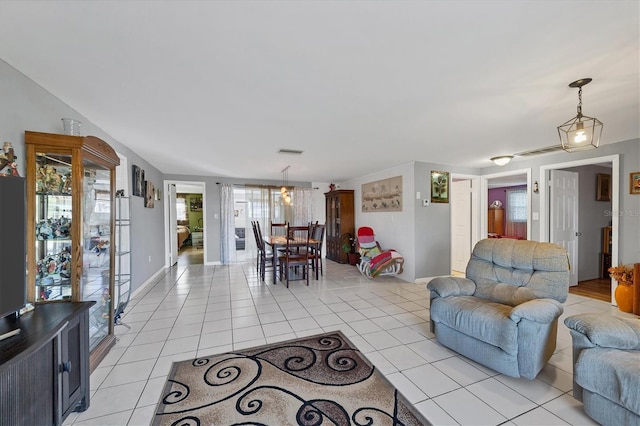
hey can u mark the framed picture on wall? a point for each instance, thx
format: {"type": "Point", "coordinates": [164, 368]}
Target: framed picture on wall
{"type": "Point", "coordinates": [634, 183]}
{"type": "Point", "coordinates": [149, 194]}
{"type": "Point", "coordinates": [195, 204]}
{"type": "Point", "coordinates": [439, 187]}
{"type": "Point", "coordinates": [138, 181]}
{"type": "Point", "coordinates": [603, 187]}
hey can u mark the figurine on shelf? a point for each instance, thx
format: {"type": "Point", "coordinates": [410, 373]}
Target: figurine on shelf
{"type": "Point", "coordinates": [49, 180]}
{"type": "Point", "coordinates": [101, 247]}
{"type": "Point", "coordinates": [332, 187]}
{"type": "Point", "coordinates": [7, 159]}
{"type": "Point", "coordinates": [105, 303]}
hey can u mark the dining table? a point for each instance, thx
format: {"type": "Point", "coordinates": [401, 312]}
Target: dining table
{"type": "Point", "coordinates": [280, 241]}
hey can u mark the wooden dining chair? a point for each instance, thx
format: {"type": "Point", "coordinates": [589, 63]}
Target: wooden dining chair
{"type": "Point", "coordinates": [265, 257]}
{"type": "Point", "coordinates": [295, 256]}
{"type": "Point", "coordinates": [315, 254]}
{"type": "Point", "coordinates": [278, 228]}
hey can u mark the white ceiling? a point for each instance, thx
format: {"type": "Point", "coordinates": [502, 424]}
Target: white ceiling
{"type": "Point", "coordinates": [217, 87]}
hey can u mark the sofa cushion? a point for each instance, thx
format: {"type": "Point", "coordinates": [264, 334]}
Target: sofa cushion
{"type": "Point", "coordinates": [612, 373]}
{"type": "Point", "coordinates": [479, 318]}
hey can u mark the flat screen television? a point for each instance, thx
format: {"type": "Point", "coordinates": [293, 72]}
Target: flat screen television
{"type": "Point", "coordinates": [13, 287]}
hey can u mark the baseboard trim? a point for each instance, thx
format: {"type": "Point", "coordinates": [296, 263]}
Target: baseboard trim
{"type": "Point", "coordinates": [151, 279]}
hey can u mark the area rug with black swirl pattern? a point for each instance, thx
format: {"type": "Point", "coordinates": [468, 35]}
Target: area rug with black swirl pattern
{"type": "Point", "coordinates": [317, 380]}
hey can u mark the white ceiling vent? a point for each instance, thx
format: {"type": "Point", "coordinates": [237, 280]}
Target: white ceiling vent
{"type": "Point", "coordinates": [289, 151]}
{"type": "Point", "coordinates": [539, 151]}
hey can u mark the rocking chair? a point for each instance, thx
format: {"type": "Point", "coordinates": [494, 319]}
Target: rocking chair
{"type": "Point", "coordinates": [374, 261]}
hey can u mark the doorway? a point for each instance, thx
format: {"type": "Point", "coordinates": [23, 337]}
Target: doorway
{"type": "Point", "coordinates": [515, 220]}
{"type": "Point", "coordinates": [185, 208]}
{"type": "Point", "coordinates": [464, 222]}
{"type": "Point", "coordinates": [593, 216]}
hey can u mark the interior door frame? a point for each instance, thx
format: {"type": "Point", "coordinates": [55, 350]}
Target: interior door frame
{"type": "Point", "coordinates": [615, 201]}
{"type": "Point", "coordinates": [167, 224]}
{"type": "Point", "coordinates": [484, 198]}
{"type": "Point", "coordinates": [475, 209]}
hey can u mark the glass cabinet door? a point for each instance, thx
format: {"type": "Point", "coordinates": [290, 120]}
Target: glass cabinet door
{"type": "Point", "coordinates": [70, 228]}
{"type": "Point", "coordinates": [96, 253]}
{"type": "Point", "coordinates": [53, 215]}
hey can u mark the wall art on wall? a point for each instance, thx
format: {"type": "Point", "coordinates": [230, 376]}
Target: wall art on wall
{"type": "Point", "coordinates": [138, 181]}
{"type": "Point", "coordinates": [439, 187]}
{"type": "Point", "coordinates": [149, 194]}
{"type": "Point", "coordinates": [634, 183]}
{"type": "Point", "coordinates": [383, 195]}
{"type": "Point", "coordinates": [195, 204]}
{"type": "Point", "coordinates": [603, 187]}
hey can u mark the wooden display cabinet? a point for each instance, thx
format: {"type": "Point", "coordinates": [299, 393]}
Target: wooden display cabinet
{"type": "Point", "coordinates": [340, 223]}
{"type": "Point", "coordinates": [495, 224]}
{"type": "Point", "coordinates": [70, 224]}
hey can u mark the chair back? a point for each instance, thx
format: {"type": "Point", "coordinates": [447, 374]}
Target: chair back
{"type": "Point", "coordinates": [366, 242]}
{"type": "Point", "coordinates": [297, 241]}
{"type": "Point", "coordinates": [318, 234]}
{"type": "Point", "coordinates": [512, 271]}
{"type": "Point", "coordinates": [260, 239]}
{"type": "Point", "coordinates": [278, 228]}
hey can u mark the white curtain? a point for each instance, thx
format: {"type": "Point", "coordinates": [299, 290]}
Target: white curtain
{"type": "Point", "coordinates": [227, 226]}
{"type": "Point", "coordinates": [302, 206]}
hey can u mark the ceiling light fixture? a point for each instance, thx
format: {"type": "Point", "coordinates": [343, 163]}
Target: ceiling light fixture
{"type": "Point", "coordinates": [284, 192]}
{"type": "Point", "coordinates": [581, 132]}
{"type": "Point", "coordinates": [502, 159]}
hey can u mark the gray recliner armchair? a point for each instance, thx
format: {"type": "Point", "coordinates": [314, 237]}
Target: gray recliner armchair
{"type": "Point", "coordinates": [504, 314]}
{"type": "Point", "coordinates": [606, 367]}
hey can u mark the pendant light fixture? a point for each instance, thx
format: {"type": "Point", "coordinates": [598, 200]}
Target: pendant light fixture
{"type": "Point", "coordinates": [581, 132]}
{"type": "Point", "coordinates": [284, 192]}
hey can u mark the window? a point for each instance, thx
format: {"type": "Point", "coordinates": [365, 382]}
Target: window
{"type": "Point", "coordinates": [181, 208]}
{"type": "Point", "coordinates": [517, 205]}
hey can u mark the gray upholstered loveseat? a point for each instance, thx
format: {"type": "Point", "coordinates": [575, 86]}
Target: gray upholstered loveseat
{"type": "Point", "coordinates": [504, 314]}
{"type": "Point", "coordinates": [606, 367]}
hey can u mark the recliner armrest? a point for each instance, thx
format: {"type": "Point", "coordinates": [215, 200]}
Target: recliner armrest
{"type": "Point", "coordinates": [607, 331]}
{"type": "Point", "coordinates": [451, 286]}
{"type": "Point", "coordinates": [543, 311]}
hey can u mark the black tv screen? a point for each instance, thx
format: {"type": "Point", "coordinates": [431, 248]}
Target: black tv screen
{"type": "Point", "coordinates": [12, 245]}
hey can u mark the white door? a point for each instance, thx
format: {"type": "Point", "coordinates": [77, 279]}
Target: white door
{"type": "Point", "coordinates": [460, 224]}
{"type": "Point", "coordinates": [563, 220]}
{"type": "Point", "coordinates": [173, 224]}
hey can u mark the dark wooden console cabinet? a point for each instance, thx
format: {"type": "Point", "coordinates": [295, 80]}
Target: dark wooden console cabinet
{"type": "Point", "coordinates": [44, 370]}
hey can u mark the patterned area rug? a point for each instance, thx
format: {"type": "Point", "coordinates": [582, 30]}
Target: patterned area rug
{"type": "Point", "coordinates": [317, 380]}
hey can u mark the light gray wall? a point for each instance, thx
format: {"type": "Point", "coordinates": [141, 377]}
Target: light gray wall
{"type": "Point", "coordinates": [394, 230]}
{"type": "Point", "coordinates": [629, 209]}
{"type": "Point", "coordinates": [24, 105]}
{"type": "Point", "coordinates": [421, 234]}
{"type": "Point", "coordinates": [592, 218]}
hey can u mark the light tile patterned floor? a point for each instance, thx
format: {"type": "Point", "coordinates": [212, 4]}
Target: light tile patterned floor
{"type": "Point", "coordinates": [195, 310]}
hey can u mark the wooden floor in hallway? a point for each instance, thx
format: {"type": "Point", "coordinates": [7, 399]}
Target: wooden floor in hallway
{"type": "Point", "coordinates": [599, 289]}
{"type": "Point", "coordinates": [190, 255]}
